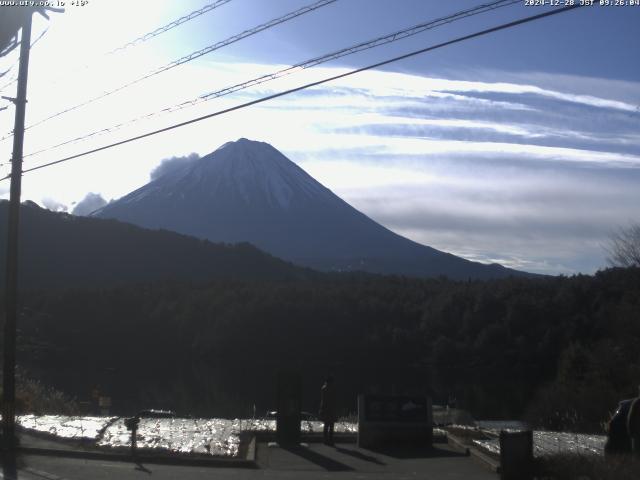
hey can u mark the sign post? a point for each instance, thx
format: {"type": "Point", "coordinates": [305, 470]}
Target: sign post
{"type": "Point", "coordinates": [394, 419]}
{"type": "Point", "coordinates": [289, 406]}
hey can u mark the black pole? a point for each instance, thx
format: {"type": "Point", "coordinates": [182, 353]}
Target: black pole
{"type": "Point", "coordinates": [134, 439]}
{"type": "Point", "coordinates": [11, 278]}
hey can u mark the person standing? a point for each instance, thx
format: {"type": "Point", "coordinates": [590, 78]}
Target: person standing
{"type": "Point", "coordinates": [633, 425]}
{"type": "Point", "coordinates": [618, 439]}
{"type": "Point", "coordinates": [328, 409]}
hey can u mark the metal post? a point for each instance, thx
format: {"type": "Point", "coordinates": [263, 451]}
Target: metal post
{"type": "Point", "coordinates": [134, 439]}
{"type": "Point", "coordinates": [11, 278]}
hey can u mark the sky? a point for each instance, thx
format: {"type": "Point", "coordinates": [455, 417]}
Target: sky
{"type": "Point", "coordinates": [521, 147]}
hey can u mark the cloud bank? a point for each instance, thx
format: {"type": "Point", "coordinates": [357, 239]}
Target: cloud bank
{"type": "Point", "coordinates": [172, 164]}
{"type": "Point", "coordinates": [90, 203]}
{"type": "Point", "coordinates": [53, 205]}
{"type": "Point", "coordinates": [511, 172]}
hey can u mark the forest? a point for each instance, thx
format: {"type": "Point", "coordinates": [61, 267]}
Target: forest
{"type": "Point", "coordinates": [559, 352]}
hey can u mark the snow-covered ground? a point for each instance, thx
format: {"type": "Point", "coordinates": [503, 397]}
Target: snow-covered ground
{"type": "Point", "coordinates": [221, 437]}
{"type": "Point", "coordinates": [77, 428]}
{"type": "Point", "coordinates": [212, 436]}
{"type": "Point", "coordinates": [546, 443]}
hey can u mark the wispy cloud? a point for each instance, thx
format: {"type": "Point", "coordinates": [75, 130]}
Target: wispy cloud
{"type": "Point", "coordinates": [507, 181]}
{"type": "Point", "coordinates": [519, 89]}
{"type": "Point", "coordinates": [531, 170]}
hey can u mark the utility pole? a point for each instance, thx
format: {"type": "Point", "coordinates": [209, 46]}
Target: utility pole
{"type": "Point", "coordinates": [11, 278]}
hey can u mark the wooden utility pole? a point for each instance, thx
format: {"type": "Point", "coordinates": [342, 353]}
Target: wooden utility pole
{"type": "Point", "coordinates": [11, 278]}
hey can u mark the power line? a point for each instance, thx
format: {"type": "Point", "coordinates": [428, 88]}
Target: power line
{"type": "Point", "coordinates": [14, 78]}
{"type": "Point", "coordinates": [309, 85]}
{"type": "Point", "coordinates": [146, 36]}
{"type": "Point", "coordinates": [376, 42]}
{"type": "Point", "coordinates": [170, 25]}
{"type": "Point", "coordinates": [190, 57]}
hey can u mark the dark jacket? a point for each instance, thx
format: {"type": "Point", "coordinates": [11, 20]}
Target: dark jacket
{"type": "Point", "coordinates": [328, 408]}
{"type": "Point", "coordinates": [633, 418]}
{"type": "Point", "coordinates": [618, 440]}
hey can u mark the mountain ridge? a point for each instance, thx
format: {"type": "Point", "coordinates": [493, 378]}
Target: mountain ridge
{"type": "Point", "coordinates": [59, 250]}
{"type": "Point", "coordinates": [247, 191]}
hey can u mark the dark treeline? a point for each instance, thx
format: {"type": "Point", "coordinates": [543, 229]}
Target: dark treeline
{"type": "Point", "coordinates": [557, 351]}
{"type": "Point", "coordinates": [58, 250]}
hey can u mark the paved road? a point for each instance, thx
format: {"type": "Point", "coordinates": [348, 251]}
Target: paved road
{"type": "Point", "coordinates": [311, 463]}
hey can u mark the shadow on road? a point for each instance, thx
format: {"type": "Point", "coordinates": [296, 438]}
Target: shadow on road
{"type": "Point", "coordinates": [407, 452]}
{"type": "Point", "coordinates": [359, 455]}
{"type": "Point", "coordinates": [140, 467]}
{"type": "Point", "coordinates": [318, 459]}
{"type": "Point", "coordinates": [9, 465]}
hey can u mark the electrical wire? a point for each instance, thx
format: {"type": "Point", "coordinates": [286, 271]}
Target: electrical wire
{"type": "Point", "coordinates": [14, 78]}
{"type": "Point", "coordinates": [146, 36]}
{"type": "Point", "coordinates": [362, 46]}
{"type": "Point", "coordinates": [312, 84]}
{"type": "Point", "coordinates": [10, 47]}
{"type": "Point", "coordinates": [188, 58]}
{"type": "Point", "coordinates": [170, 26]}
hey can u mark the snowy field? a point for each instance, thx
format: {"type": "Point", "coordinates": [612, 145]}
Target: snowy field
{"type": "Point", "coordinates": [209, 436]}
{"type": "Point", "coordinates": [221, 437]}
{"type": "Point", "coordinates": [544, 443]}
{"type": "Point", "coordinates": [76, 428]}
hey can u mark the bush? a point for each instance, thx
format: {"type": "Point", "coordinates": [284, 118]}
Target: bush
{"type": "Point", "coordinates": [32, 396]}
{"type": "Point", "coordinates": [589, 384]}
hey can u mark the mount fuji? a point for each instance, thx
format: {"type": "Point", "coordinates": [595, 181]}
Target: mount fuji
{"type": "Point", "coordinates": [247, 191]}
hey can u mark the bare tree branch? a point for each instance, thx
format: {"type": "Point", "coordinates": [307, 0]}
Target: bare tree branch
{"type": "Point", "coordinates": [624, 247]}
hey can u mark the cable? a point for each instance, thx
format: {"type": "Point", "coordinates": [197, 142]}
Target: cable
{"type": "Point", "coordinates": [309, 85]}
{"type": "Point", "coordinates": [299, 66]}
{"type": "Point", "coordinates": [170, 25]}
{"type": "Point", "coordinates": [287, 92]}
{"type": "Point", "coordinates": [190, 57]}
{"type": "Point", "coordinates": [44, 32]}
{"type": "Point", "coordinates": [389, 38]}
{"type": "Point", "coordinates": [155, 33]}
{"type": "Point", "coordinates": [14, 78]}
{"type": "Point", "coordinates": [11, 45]}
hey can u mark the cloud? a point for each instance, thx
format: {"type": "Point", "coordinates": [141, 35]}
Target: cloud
{"type": "Point", "coordinates": [420, 84]}
{"type": "Point", "coordinates": [515, 89]}
{"type": "Point", "coordinates": [522, 120]}
{"type": "Point", "coordinates": [547, 220]}
{"type": "Point", "coordinates": [172, 164]}
{"type": "Point", "coordinates": [520, 170]}
{"type": "Point", "coordinates": [407, 146]}
{"type": "Point", "coordinates": [622, 90]}
{"type": "Point", "coordinates": [529, 169]}
{"type": "Point", "coordinates": [90, 203]}
{"type": "Point", "coordinates": [54, 205]}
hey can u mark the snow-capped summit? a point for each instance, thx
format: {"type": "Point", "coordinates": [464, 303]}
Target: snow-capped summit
{"type": "Point", "coordinates": [252, 171]}
{"type": "Point", "coordinates": [247, 191]}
